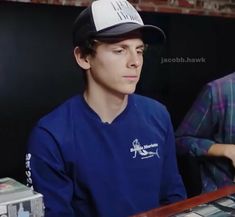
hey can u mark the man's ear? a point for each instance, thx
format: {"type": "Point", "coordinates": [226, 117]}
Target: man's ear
{"type": "Point", "coordinates": [82, 61]}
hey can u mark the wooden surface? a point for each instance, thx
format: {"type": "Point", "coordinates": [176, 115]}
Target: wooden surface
{"type": "Point", "coordinates": [178, 207]}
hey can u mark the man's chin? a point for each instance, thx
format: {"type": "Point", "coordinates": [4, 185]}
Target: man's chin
{"type": "Point", "coordinates": [130, 91]}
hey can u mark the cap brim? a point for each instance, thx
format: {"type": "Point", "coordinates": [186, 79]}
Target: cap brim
{"type": "Point", "coordinates": [151, 34]}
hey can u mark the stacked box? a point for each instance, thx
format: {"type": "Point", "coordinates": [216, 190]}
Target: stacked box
{"type": "Point", "coordinates": [18, 200]}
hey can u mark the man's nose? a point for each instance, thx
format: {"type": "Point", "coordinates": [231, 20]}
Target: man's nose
{"type": "Point", "coordinates": [134, 60]}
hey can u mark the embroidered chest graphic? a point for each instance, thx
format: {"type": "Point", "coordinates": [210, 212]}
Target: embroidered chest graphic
{"type": "Point", "coordinates": [144, 151]}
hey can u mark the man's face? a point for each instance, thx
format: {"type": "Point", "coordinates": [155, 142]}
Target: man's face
{"type": "Point", "coordinates": [115, 68]}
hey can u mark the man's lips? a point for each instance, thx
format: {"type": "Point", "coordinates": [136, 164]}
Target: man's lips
{"type": "Point", "coordinates": [131, 77]}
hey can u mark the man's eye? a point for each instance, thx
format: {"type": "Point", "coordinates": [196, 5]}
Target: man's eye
{"type": "Point", "coordinates": [118, 51]}
{"type": "Point", "coordinates": [140, 51]}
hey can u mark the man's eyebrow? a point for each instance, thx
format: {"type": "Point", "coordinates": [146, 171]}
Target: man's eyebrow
{"type": "Point", "coordinates": [141, 46]}
{"type": "Point", "coordinates": [127, 45]}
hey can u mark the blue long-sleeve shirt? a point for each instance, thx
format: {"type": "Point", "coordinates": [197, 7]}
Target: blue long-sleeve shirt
{"type": "Point", "coordinates": [85, 167]}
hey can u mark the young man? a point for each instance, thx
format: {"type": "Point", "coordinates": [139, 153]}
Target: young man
{"type": "Point", "coordinates": [109, 152]}
{"type": "Point", "coordinates": [207, 132]}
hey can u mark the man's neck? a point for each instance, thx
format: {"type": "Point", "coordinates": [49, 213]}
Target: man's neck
{"type": "Point", "coordinates": [107, 106]}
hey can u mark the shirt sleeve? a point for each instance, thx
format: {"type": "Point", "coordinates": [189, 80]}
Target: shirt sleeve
{"type": "Point", "coordinates": [46, 173]}
{"type": "Point", "coordinates": [172, 187]}
{"type": "Point", "coordinates": [195, 133]}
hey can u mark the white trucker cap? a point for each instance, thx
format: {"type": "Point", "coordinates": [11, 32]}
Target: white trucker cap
{"type": "Point", "coordinates": [113, 19]}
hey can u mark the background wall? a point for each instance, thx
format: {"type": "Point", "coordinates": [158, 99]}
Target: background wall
{"type": "Point", "coordinates": [38, 72]}
{"type": "Point", "coordinates": [225, 8]}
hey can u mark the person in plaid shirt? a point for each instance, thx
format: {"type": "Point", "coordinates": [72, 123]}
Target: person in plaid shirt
{"type": "Point", "coordinates": [208, 133]}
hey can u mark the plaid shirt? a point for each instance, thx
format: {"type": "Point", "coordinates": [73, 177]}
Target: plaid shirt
{"type": "Point", "coordinates": [210, 120]}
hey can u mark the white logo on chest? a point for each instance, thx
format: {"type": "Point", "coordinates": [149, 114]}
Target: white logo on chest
{"type": "Point", "coordinates": [143, 150]}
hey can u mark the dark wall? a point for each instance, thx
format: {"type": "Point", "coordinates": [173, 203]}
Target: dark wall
{"type": "Point", "coordinates": [38, 72]}
{"type": "Point", "coordinates": [213, 39]}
